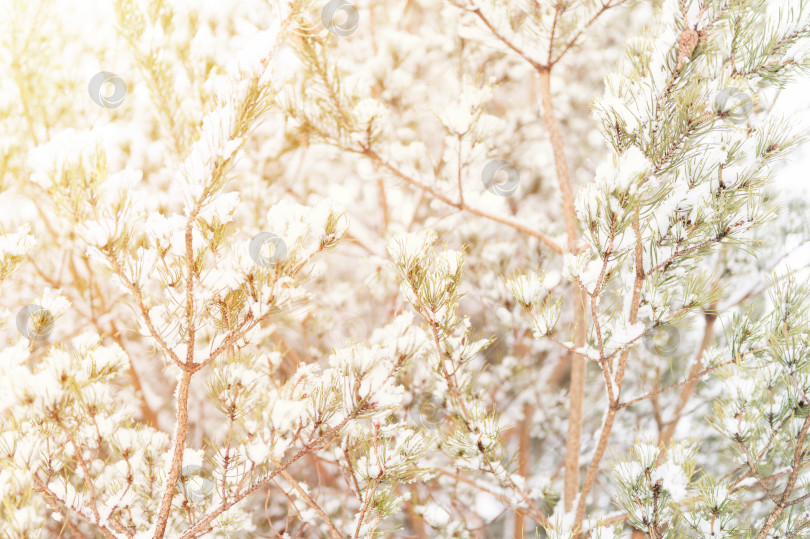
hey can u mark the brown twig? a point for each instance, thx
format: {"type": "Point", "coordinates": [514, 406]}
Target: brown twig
{"type": "Point", "coordinates": [798, 455]}
{"type": "Point", "coordinates": [548, 242]}
{"type": "Point", "coordinates": [695, 374]}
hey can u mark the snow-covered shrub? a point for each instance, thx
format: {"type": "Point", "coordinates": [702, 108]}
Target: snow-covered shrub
{"type": "Point", "coordinates": [430, 268]}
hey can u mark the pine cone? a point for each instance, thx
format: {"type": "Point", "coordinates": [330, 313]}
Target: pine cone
{"type": "Point", "coordinates": [687, 42]}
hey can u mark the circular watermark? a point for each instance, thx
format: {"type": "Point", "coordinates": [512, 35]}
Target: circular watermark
{"type": "Point", "coordinates": [194, 483]}
{"type": "Point", "coordinates": [263, 241]}
{"type": "Point", "coordinates": [108, 100]}
{"type": "Point", "coordinates": [35, 322]}
{"type": "Point", "coordinates": [733, 105]}
{"type": "Point", "coordinates": [352, 329]}
{"type": "Point", "coordinates": [340, 17]}
{"type": "Point", "coordinates": [663, 342]}
{"type": "Point", "coordinates": [427, 411]}
{"type": "Point", "coordinates": [500, 178]}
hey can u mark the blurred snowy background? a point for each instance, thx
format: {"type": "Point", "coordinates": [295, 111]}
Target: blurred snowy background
{"type": "Point", "coordinates": [792, 178]}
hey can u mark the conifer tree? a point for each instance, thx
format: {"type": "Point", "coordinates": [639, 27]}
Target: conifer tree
{"type": "Point", "coordinates": [429, 268]}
